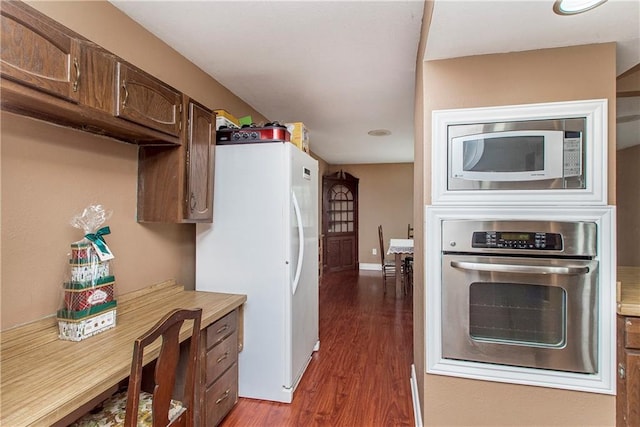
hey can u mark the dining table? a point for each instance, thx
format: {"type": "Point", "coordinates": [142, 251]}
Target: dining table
{"type": "Point", "coordinates": [400, 248]}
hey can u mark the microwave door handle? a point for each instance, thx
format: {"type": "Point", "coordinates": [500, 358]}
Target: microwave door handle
{"type": "Point", "coordinates": [524, 269]}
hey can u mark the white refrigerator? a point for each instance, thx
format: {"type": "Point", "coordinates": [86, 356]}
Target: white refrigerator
{"type": "Point", "coordinates": [263, 242]}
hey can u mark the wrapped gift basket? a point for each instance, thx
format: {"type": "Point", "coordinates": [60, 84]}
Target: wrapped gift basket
{"type": "Point", "coordinates": [89, 301]}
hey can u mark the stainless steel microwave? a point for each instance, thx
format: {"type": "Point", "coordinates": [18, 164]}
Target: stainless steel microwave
{"type": "Point", "coordinates": [517, 155]}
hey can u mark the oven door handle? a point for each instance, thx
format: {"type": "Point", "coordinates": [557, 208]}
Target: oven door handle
{"type": "Point", "coordinates": [524, 269]}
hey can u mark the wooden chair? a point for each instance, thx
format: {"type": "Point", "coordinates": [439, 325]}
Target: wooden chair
{"type": "Point", "coordinates": [134, 407]}
{"type": "Point", "coordinates": [408, 264]}
{"type": "Point", "coordinates": [388, 266]}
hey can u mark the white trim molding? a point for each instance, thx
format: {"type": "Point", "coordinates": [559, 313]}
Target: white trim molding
{"type": "Point", "coordinates": [604, 381]}
{"type": "Point", "coordinates": [370, 266]}
{"type": "Point", "coordinates": [415, 397]}
{"type": "Point", "coordinates": [595, 166]}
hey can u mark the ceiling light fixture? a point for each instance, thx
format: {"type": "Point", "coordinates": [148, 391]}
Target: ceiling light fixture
{"type": "Point", "coordinates": [379, 132]}
{"type": "Point", "coordinates": [573, 7]}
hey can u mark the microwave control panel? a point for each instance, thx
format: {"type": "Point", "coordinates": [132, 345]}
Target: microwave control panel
{"type": "Point", "coordinates": [572, 165]}
{"type": "Point", "coordinates": [516, 240]}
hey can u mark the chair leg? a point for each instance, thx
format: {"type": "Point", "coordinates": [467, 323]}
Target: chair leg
{"type": "Point", "coordinates": [384, 281]}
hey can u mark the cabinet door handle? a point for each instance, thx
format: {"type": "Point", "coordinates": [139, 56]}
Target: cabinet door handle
{"type": "Point", "coordinates": [192, 202]}
{"type": "Point", "coordinates": [621, 371]}
{"type": "Point", "coordinates": [221, 358]}
{"type": "Point", "coordinates": [223, 397]}
{"type": "Point", "coordinates": [76, 83]}
{"type": "Point", "coordinates": [126, 94]}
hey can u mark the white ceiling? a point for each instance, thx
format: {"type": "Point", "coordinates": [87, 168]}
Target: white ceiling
{"type": "Point", "coordinates": [347, 67]}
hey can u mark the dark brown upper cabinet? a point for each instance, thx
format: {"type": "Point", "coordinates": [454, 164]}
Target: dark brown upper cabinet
{"type": "Point", "coordinates": [51, 73]}
{"type": "Point", "coordinates": [38, 54]}
{"type": "Point", "coordinates": [147, 101]}
{"type": "Point", "coordinates": [200, 163]}
{"type": "Point", "coordinates": [175, 184]}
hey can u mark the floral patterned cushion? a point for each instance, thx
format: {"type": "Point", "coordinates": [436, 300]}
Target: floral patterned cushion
{"type": "Point", "coordinates": [112, 410]}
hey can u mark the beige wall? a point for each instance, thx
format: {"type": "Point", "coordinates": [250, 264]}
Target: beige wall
{"type": "Point", "coordinates": [50, 173]}
{"type": "Point", "coordinates": [628, 177]}
{"type": "Point", "coordinates": [582, 72]}
{"type": "Point", "coordinates": [628, 208]}
{"type": "Point", "coordinates": [422, 175]}
{"type": "Point", "coordinates": [385, 197]}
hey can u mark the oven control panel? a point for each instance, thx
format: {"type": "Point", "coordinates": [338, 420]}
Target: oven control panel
{"type": "Point", "coordinates": [517, 240]}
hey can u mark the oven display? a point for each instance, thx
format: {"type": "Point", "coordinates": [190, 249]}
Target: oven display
{"type": "Point", "coordinates": [517, 240]}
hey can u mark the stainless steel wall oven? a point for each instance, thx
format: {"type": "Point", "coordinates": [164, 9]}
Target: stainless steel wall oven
{"type": "Point", "coordinates": [521, 293]}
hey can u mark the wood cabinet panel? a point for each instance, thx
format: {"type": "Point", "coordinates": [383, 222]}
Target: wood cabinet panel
{"type": "Point", "coordinates": [53, 74]}
{"type": "Point", "coordinates": [160, 184]}
{"type": "Point", "coordinates": [38, 54]}
{"type": "Point", "coordinates": [632, 332]}
{"type": "Point", "coordinates": [633, 388]}
{"type": "Point", "coordinates": [200, 161]}
{"type": "Point", "coordinates": [221, 357]}
{"type": "Point", "coordinates": [628, 381]}
{"type": "Point", "coordinates": [147, 101]}
{"type": "Point", "coordinates": [221, 329]}
{"type": "Point", "coordinates": [340, 253]}
{"type": "Point", "coordinates": [169, 184]}
{"type": "Point", "coordinates": [221, 396]}
{"type": "Point", "coordinates": [97, 78]}
{"type": "Point", "coordinates": [218, 391]}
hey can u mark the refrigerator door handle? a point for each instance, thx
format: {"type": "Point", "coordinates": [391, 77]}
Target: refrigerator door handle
{"type": "Point", "coordinates": [296, 209]}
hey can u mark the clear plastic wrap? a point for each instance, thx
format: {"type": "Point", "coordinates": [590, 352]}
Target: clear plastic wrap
{"type": "Point", "coordinates": [89, 299]}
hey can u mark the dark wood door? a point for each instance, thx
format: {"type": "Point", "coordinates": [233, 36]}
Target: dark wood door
{"type": "Point", "coordinates": [200, 152]}
{"type": "Point", "coordinates": [340, 222]}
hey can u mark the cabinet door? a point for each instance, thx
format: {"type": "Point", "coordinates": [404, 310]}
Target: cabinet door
{"type": "Point", "coordinates": [97, 78]}
{"type": "Point", "coordinates": [147, 101]}
{"type": "Point", "coordinates": [340, 253]}
{"type": "Point", "coordinates": [632, 415]}
{"type": "Point", "coordinates": [200, 157]}
{"type": "Point", "coordinates": [38, 54]}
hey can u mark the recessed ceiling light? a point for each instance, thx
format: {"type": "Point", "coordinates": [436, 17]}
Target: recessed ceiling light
{"type": "Point", "coordinates": [572, 7]}
{"type": "Point", "coordinates": [379, 132]}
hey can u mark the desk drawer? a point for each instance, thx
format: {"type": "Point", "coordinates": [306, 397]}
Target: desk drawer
{"type": "Point", "coordinates": [220, 357]}
{"type": "Point", "coordinates": [222, 328]}
{"type": "Point", "coordinates": [221, 396]}
{"type": "Point", "coordinates": [632, 332]}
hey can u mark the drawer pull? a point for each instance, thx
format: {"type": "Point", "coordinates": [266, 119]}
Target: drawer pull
{"type": "Point", "coordinates": [76, 83]}
{"type": "Point", "coordinates": [126, 94]}
{"type": "Point", "coordinates": [221, 358]}
{"type": "Point", "coordinates": [222, 329]}
{"type": "Point", "coordinates": [224, 396]}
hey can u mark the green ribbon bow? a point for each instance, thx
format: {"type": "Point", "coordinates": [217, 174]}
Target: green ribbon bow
{"type": "Point", "coordinates": [98, 240]}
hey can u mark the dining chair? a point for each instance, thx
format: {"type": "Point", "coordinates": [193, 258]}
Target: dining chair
{"type": "Point", "coordinates": [409, 231]}
{"type": "Point", "coordinates": [135, 407]}
{"type": "Point", "coordinates": [388, 266]}
{"type": "Point", "coordinates": [408, 263]}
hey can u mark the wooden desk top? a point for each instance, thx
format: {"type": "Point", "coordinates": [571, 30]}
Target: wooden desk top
{"type": "Point", "coordinates": [628, 291]}
{"type": "Point", "coordinates": [45, 378]}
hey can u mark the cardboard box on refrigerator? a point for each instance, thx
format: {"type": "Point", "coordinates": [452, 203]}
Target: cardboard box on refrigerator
{"type": "Point", "coordinates": [299, 135]}
{"type": "Point", "coordinates": [224, 118]}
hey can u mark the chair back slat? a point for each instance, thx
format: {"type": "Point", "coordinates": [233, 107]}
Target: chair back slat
{"type": "Point", "coordinates": [168, 328]}
{"type": "Point", "coordinates": [381, 240]}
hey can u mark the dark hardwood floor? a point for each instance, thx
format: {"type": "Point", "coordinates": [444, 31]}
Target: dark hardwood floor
{"type": "Point", "coordinates": [360, 377]}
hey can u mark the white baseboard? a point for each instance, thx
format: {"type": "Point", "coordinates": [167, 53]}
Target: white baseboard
{"type": "Point", "coordinates": [370, 266]}
{"type": "Point", "coordinates": [417, 413]}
